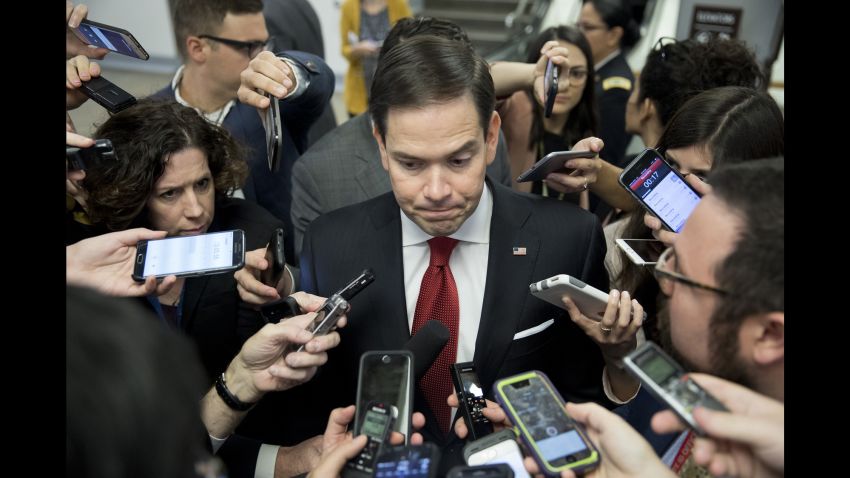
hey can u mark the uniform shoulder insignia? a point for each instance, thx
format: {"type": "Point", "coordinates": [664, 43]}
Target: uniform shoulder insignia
{"type": "Point", "coordinates": [616, 82]}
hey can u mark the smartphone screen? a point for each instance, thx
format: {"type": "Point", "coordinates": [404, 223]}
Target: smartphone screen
{"type": "Point", "coordinates": [111, 38]}
{"type": "Point", "coordinates": [542, 416]}
{"type": "Point", "coordinates": [661, 190]}
{"type": "Point", "coordinates": [386, 377]}
{"type": "Point", "coordinates": [406, 462]}
{"type": "Point", "coordinates": [183, 255]}
{"type": "Point", "coordinates": [642, 251]}
{"type": "Point", "coordinates": [506, 451]}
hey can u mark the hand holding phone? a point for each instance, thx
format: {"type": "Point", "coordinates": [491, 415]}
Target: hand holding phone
{"type": "Point", "coordinates": [386, 377]}
{"type": "Point", "coordinates": [188, 256]}
{"type": "Point", "coordinates": [109, 37]}
{"type": "Point", "coordinates": [550, 87]}
{"type": "Point", "coordinates": [470, 399]}
{"type": "Point", "coordinates": [274, 136]}
{"type": "Point", "coordinates": [84, 158]}
{"type": "Point", "coordinates": [276, 259]}
{"type": "Point", "coordinates": [660, 189]}
{"type": "Point", "coordinates": [552, 163]}
{"type": "Point", "coordinates": [377, 426]}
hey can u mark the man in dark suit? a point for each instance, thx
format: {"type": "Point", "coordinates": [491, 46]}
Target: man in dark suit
{"type": "Point", "coordinates": [450, 245]}
{"type": "Point", "coordinates": [217, 40]}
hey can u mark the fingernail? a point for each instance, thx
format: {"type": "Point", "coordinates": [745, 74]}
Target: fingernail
{"type": "Point", "coordinates": [279, 90]}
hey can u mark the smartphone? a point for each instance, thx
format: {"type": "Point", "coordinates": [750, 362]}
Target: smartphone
{"type": "Point", "coordinates": [552, 163]}
{"type": "Point", "coordinates": [669, 383]}
{"type": "Point", "coordinates": [500, 470]}
{"type": "Point", "coordinates": [85, 158]}
{"type": "Point", "coordinates": [187, 256]}
{"type": "Point", "coordinates": [660, 189]}
{"type": "Point", "coordinates": [408, 461]}
{"type": "Point", "coordinates": [642, 252]}
{"type": "Point", "coordinates": [276, 259]}
{"type": "Point", "coordinates": [499, 447]}
{"type": "Point", "coordinates": [550, 87]}
{"type": "Point", "coordinates": [471, 399]}
{"type": "Point", "coordinates": [112, 38]}
{"type": "Point", "coordinates": [273, 133]}
{"type": "Point", "coordinates": [591, 301]}
{"type": "Point", "coordinates": [386, 377]}
{"type": "Point", "coordinates": [555, 440]}
{"type": "Point", "coordinates": [107, 94]}
{"type": "Point", "coordinates": [377, 425]}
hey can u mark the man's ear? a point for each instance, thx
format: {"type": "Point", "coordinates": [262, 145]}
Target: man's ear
{"type": "Point", "coordinates": [385, 161]}
{"type": "Point", "coordinates": [197, 49]}
{"type": "Point", "coordinates": [492, 138]}
{"type": "Point", "coordinates": [766, 336]}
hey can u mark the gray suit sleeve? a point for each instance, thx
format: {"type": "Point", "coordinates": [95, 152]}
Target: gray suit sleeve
{"type": "Point", "coordinates": [306, 201]}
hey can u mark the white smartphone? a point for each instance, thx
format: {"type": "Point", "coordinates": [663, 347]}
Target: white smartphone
{"type": "Point", "coordinates": [642, 252]}
{"type": "Point", "coordinates": [499, 447]}
{"type": "Point", "coordinates": [591, 301]}
{"type": "Point", "coordinates": [187, 256]}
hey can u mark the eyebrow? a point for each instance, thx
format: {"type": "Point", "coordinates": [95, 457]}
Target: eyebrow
{"type": "Point", "coordinates": [469, 146]}
{"type": "Point", "coordinates": [167, 187]}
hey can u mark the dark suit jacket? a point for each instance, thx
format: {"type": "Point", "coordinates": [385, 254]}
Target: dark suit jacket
{"type": "Point", "coordinates": [345, 168]}
{"type": "Point", "coordinates": [559, 238]}
{"type": "Point", "coordinates": [294, 25]}
{"type": "Point", "coordinates": [268, 189]}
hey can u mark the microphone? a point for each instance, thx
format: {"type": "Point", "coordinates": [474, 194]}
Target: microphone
{"type": "Point", "coordinates": [426, 345]}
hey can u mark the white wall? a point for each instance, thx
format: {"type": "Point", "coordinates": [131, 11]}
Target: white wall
{"type": "Point", "coordinates": [328, 12]}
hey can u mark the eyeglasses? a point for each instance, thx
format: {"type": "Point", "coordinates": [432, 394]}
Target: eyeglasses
{"type": "Point", "coordinates": [677, 167]}
{"type": "Point", "coordinates": [666, 275]}
{"type": "Point", "coordinates": [577, 75]}
{"type": "Point", "coordinates": [252, 48]}
{"type": "Point", "coordinates": [661, 45]}
{"type": "Point", "coordinates": [589, 27]}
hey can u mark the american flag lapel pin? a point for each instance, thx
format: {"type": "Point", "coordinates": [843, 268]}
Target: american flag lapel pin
{"type": "Point", "coordinates": [519, 251]}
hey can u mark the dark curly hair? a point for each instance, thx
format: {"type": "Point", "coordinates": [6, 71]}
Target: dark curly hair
{"type": "Point", "coordinates": [583, 118]}
{"type": "Point", "coordinates": [678, 71]}
{"type": "Point", "coordinates": [144, 137]}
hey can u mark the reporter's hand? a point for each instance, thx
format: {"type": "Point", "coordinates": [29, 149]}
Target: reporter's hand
{"type": "Point", "coordinates": [331, 465]}
{"type": "Point", "coordinates": [265, 73]}
{"type": "Point", "coordinates": [623, 452]}
{"type": "Point", "coordinates": [492, 411]}
{"type": "Point", "coordinates": [620, 338]}
{"type": "Point", "coordinates": [560, 58]}
{"type": "Point", "coordinates": [251, 289]}
{"type": "Point", "coordinates": [77, 71]}
{"type": "Point", "coordinates": [73, 178]}
{"type": "Point", "coordinates": [73, 46]}
{"type": "Point", "coordinates": [586, 169]}
{"type": "Point", "coordinates": [747, 441]}
{"type": "Point", "coordinates": [106, 262]}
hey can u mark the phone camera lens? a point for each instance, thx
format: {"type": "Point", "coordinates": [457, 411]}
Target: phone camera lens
{"type": "Point", "coordinates": [385, 359]}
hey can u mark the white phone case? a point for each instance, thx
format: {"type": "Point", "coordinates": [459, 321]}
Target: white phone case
{"type": "Point", "coordinates": [589, 300]}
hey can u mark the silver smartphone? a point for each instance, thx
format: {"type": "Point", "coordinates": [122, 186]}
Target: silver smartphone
{"type": "Point", "coordinates": [187, 256]}
{"type": "Point", "coordinates": [552, 163]}
{"type": "Point", "coordinates": [667, 381]}
{"type": "Point", "coordinates": [499, 447]}
{"type": "Point", "coordinates": [642, 252]}
{"type": "Point", "coordinates": [386, 377]}
{"type": "Point", "coordinates": [109, 37]}
{"type": "Point", "coordinates": [274, 137]}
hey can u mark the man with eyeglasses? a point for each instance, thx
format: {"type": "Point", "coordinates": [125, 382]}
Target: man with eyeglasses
{"type": "Point", "coordinates": [217, 40]}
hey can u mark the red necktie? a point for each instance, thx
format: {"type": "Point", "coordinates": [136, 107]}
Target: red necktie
{"type": "Point", "coordinates": [438, 301]}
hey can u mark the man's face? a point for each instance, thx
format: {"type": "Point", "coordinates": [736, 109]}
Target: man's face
{"type": "Point", "coordinates": [226, 62]}
{"type": "Point", "coordinates": [437, 158]}
{"type": "Point", "coordinates": [708, 237]}
{"type": "Point", "coordinates": [183, 200]}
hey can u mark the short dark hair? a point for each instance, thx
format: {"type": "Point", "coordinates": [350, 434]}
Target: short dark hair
{"type": "Point", "coordinates": [128, 381]}
{"type": "Point", "coordinates": [583, 118]}
{"type": "Point", "coordinates": [733, 124]}
{"type": "Point", "coordinates": [618, 13]}
{"type": "Point", "coordinates": [409, 27]}
{"type": "Point", "coordinates": [678, 71]}
{"type": "Point", "coordinates": [144, 136]}
{"type": "Point", "coordinates": [755, 269]}
{"type": "Point", "coordinates": [426, 70]}
{"type": "Point", "coordinates": [204, 17]}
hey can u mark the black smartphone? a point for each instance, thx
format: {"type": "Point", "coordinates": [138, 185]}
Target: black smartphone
{"type": "Point", "coordinates": [276, 259]}
{"type": "Point", "coordinates": [273, 133]}
{"type": "Point", "coordinates": [109, 37]}
{"type": "Point", "coordinates": [408, 461]}
{"type": "Point", "coordinates": [500, 470]}
{"type": "Point", "coordinates": [555, 441]}
{"type": "Point", "coordinates": [669, 383]}
{"type": "Point", "coordinates": [85, 158]}
{"type": "Point", "coordinates": [660, 189]}
{"type": "Point", "coordinates": [550, 87]}
{"type": "Point", "coordinates": [552, 163]}
{"type": "Point", "coordinates": [386, 377]}
{"type": "Point", "coordinates": [107, 94]}
{"type": "Point", "coordinates": [377, 426]}
{"type": "Point", "coordinates": [470, 396]}
{"type": "Point", "coordinates": [495, 448]}
{"type": "Point", "coordinates": [187, 256]}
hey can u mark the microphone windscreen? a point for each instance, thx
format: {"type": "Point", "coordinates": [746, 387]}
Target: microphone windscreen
{"type": "Point", "coordinates": [426, 345]}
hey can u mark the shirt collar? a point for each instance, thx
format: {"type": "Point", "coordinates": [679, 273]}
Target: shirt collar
{"type": "Point", "coordinates": [476, 228]}
{"type": "Point", "coordinates": [606, 59]}
{"type": "Point", "coordinates": [215, 117]}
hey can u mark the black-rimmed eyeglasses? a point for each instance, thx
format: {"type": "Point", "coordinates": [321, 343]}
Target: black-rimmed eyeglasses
{"type": "Point", "coordinates": [252, 48]}
{"type": "Point", "coordinates": [666, 275]}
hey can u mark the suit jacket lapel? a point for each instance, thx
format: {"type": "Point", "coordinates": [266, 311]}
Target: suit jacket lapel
{"type": "Point", "coordinates": [508, 276]}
